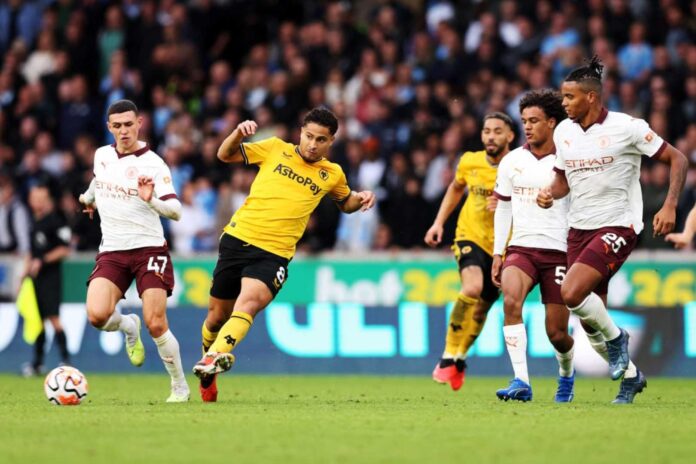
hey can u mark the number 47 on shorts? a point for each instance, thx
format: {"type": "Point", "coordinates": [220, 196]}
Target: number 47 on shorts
{"type": "Point", "coordinates": [157, 264]}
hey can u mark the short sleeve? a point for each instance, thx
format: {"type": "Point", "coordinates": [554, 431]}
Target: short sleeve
{"type": "Point", "coordinates": [646, 141]}
{"type": "Point", "coordinates": [257, 152]}
{"type": "Point", "coordinates": [340, 191]}
{"type": "Point", "coordinates": [503, 183]}
{"type": "Point", "coordinates": [63, 233]}
{"type": "Point", "coordinates": [164, 187]}
{"type": "Point", "coordinates": [461, 169]}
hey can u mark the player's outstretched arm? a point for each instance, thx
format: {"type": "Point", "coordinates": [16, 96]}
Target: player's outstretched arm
{"type": "Point", "coordinates": [683, 239]}
{"type": "Point", "coordinates": [358, 201]}
{"type": "Point", "coordinates": [452, 197]}
{"type": "Point", "coordinates": [664, 220]}
{"type": "Point", "coordinates": [229, 151]}
{"type": "Point", "coordinates": [87, 200]}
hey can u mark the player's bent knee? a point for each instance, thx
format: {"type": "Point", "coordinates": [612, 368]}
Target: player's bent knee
{"type": "Point", "coordinates": [98, 315]}
{"type": "Point", "coordinates": [512, 305]}
{"type": "Point", "coordinates": [97, 319]}
{"type": "Point", "coordinates": [472, 291]}
{"type": "Point", "coordinates": [157, 327]}
{"type": "Point", "coordinates": [555, 335]}
{"type": "Point", "coordinates": [572, 297]}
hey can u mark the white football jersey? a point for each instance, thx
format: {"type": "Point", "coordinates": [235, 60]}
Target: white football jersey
{"type": "Point", "coordinates": [602, 166]}
{"type": "Point", "coordinates": [127, 222]}
{"type": "Point", "coordinates": [521, 175]}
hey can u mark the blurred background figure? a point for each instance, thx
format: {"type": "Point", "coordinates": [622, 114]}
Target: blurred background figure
{"type": "Point", "coordinates": [50, 245]}
{"type": "Point", "coordinates": [409, 81]}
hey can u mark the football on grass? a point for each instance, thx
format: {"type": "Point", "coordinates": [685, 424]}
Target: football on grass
{"type": "Point", "coordinates": [65, 385]}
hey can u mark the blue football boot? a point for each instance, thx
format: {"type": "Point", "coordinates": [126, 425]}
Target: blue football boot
{"type": "Point", "coordinates": [630, 388]}
{"type": "Point", "coordinates": [617, 351]}
{"type": "Point", "coordinates": [517, 390]}
{"type": "Point", "coordinates": [565, 392]}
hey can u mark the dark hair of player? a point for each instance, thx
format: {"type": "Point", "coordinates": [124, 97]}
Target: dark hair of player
{"type": "Point", "coordinates": [589, 77]}
{"type": "Point", "coordinates": [323, 117]}
{"type": "Point", "coordinates": [121, 106]}
{"type": "Point", "coordinates": [550, 102]}
{"type": "Point", "coordinates": [502, 116]}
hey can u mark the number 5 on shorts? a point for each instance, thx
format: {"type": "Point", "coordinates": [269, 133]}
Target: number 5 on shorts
{"type": "Point", "coordinates": [560, 274]}
{"type": "Point", "coordinates": [152, 265]}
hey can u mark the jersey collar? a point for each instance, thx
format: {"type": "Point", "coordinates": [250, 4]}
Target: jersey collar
{"type": "Point", "coordinates": [297, 150]}
{"type": "Point", "coordinates": [138, 152]}
{"type": "Point", "coordinates": [528, 147]}
{"type": "Point", "coordinates": [600, 119]}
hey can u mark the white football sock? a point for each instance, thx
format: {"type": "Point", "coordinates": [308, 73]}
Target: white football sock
{"type": "Point", "coordinates": [168, 348]}
{"type": "Point", "coordinates": [600, 346]}
{"type": "Point", "coordinates": [593, 312]}
{"type": "Point", "coordinates": [565, 362]}
{"type": "Point", "coordinates": [516, 343]}
{"type": "Point", "coordinates": [125, 324]}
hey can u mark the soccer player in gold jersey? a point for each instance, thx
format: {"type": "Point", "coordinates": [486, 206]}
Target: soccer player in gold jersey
{"type": "Point", "coordinates": [473, 244]}
{"type": "Point", "coordinates": [260, 239]}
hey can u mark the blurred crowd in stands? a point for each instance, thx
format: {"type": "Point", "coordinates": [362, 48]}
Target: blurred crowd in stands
{"type": "Point", "coordinates": [409, 80]}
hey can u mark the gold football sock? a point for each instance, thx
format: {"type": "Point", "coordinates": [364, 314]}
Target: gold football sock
{"type": "Point", "coordinates": [462, 311]}
{"type": "Point", "coordinates": [472, 329]}
{"type": "Point", "coordinates": [233, 332]}
{"type": "Point", "coordinates": [208, 337]}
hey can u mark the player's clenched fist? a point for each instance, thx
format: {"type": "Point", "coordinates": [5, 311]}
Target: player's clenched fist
{"type": "Point", "coordinates": [544, 198]}
{"type": "Point", "coordinates": [247, 128]}
{"type": "Point", "coordinates": [434, 235]}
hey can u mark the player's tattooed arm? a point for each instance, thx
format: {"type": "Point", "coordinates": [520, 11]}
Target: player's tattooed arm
{"type": "Point", "coordinates": [664, 220]}
{"type": "Point", "coordinates": [230, 151]}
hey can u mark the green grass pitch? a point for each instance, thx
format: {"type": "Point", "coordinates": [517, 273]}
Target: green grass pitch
{"type": "Point", "coordinates": [322, 419]}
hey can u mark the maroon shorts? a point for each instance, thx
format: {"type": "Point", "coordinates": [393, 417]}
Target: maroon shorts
{"type": "Point", "coordinates": [150, 266]}
{"type": "Point", "coordinates": [604, 249]}
{"type": "Point", "coordinates": [545, 267]}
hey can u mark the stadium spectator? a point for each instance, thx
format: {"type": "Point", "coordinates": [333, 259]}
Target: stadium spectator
{"type": "Point", "coordinates": [14, 219]}
{"type": "Point", "coordinates": [217, 64]}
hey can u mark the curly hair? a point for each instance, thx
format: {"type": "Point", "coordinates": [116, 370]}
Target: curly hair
{"type": "Point", "coordinates": [548, 100]}
{"type": "Point", "coordinates": [589, 76]}
{"type": "Point", "coordinates": [323, 117]}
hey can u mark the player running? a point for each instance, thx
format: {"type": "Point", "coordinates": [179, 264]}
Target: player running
{"type": "Point", "coordinates": [473, 244]}
{"type": "Point", "coordinates": [132, 188]}
{"type": "Point", "coordinates": [598, 163]}
{"type": "Point", "coordinates": [260, 239]}
{"type": "Point", "coordinates": [536, 252]}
